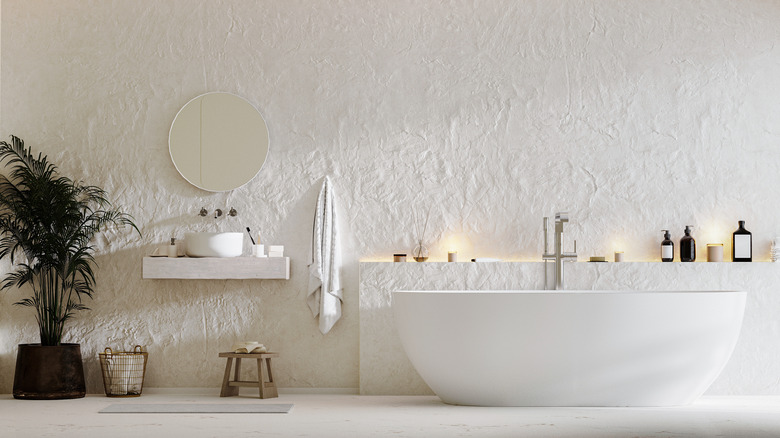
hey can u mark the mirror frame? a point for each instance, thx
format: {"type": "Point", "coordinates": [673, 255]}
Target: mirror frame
{"type": "Point", "coordinates": [215, 189]}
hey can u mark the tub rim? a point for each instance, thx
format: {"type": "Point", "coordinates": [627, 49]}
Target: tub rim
{"type": "Point", "coordinates": [568, 292]}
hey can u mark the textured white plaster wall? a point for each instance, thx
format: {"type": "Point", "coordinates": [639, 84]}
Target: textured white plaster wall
{"type": "Point", "coordinates": [634, 116]}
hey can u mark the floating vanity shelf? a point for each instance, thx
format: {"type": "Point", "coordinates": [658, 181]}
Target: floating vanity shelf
{"type": "Point", "coordinates": [212, 268]}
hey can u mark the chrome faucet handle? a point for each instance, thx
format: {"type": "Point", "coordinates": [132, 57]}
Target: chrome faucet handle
{"type": "Point", "coordinates": [232, 212]}
{"type": "Point", "coordinates": [570, 256]}
{"type": "Point", "coordinates": [203, 212]}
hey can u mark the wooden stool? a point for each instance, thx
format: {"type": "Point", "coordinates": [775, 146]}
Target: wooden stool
{"type": "Point", "coordinates": [267, 386]}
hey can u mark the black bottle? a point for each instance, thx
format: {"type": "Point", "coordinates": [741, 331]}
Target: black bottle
{"type": "Point", "coordinates": [742, 244]}
{"type": "Point", "coordinates": [667, 248]}
{"type": "Point", "coordinates": [687, 246]}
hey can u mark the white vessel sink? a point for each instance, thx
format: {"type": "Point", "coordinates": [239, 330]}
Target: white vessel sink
{"type": "Point", "coordinates": [214, 244]}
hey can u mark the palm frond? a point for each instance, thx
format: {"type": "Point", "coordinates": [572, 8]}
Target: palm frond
{"type": "Point", "coordinates": [29, 302]}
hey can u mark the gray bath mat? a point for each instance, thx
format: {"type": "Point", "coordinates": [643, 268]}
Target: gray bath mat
{"type": "Point", "coordinates": [193, 408]}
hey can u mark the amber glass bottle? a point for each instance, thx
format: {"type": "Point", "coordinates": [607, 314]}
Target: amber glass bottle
{"type": "Point", "coordinates": [687, 246]}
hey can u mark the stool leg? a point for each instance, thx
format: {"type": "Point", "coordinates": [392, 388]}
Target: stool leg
{"type": "Point", "coordinates": [270, 374]}
{"type": "Point", "coordinates": [267, 385]}
{"type": "Point", "coordinates": [270, 388]}
{"type": "Point", "coordinates": [227, 390]}
{"type": "Point", "coordinates": [237, 374]}
{"type": "Point", "coordinates": [261, 377]}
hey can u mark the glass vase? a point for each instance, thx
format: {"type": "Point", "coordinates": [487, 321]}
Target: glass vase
{"type": "Point", "coordinates": [420, 252]}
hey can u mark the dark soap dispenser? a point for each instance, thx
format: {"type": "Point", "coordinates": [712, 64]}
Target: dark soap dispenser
{"type": "Point", "coordinates": [687, 246]}
{"type": "Point", "coordinates": [667, 248]}
{"type": "Point", "coordinates": [742, 244]}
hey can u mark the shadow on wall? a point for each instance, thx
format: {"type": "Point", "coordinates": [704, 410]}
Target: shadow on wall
{"type": "Point", "coordinates": [185, 324]}
{"type": "Point", "coordinates": [340, 347]}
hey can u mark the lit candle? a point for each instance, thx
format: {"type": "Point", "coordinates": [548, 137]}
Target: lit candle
{"type": "Point", "coordinates": [714, 252]}
{"type": "Point", "coordinates": [452, 256]}
{"type": "Point", "coordinates": [618, 256]}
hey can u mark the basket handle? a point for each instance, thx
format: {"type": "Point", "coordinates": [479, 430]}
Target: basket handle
{"type": "Point", "coordinates": [139, 348]}
{"type": "Point", "coordinates": [108, 350]}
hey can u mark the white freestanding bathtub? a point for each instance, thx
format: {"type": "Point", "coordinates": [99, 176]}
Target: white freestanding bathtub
{"type": "Point", "coordinates": [568, 348]}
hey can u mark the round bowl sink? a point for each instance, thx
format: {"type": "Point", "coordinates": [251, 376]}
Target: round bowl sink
{"type": "Point", "coordinates": [214, 244]}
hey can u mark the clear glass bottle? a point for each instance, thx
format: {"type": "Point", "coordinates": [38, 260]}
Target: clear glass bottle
{"type": "Point", "coordinates": [420, 252]}
{"type": "Point", "coordinates": [742, 244]}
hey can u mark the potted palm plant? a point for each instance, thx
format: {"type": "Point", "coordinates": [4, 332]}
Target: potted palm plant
{"type": "Point", "coordinates": [47, 223]}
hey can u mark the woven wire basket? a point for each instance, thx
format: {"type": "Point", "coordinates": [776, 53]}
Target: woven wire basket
{"type": "Point", "coordinates": [123, 371]}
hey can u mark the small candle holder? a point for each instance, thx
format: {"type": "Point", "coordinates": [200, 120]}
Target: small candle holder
{"type": "Point", "coordinates": [452, 256]}
{"type": "Point", "coordinates": [399, 258]}
{"type": "Point", "coordinates": [618, 256]}
{"type": "Point", "coordinates": [714, 252]}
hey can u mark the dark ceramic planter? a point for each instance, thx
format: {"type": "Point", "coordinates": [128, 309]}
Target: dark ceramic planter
{"type": "Point", "coordinates": [49, 372]}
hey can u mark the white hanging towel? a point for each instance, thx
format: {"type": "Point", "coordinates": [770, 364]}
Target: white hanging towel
{"type": "Point", "coordinates": [325, 292]}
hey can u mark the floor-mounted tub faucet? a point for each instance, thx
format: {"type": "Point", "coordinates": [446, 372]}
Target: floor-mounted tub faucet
{"type": "Point", "coordinates": [558, 256]}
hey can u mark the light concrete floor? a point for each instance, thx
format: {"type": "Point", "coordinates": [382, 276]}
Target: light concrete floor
{"type": "Point", "coordinates": [383, 416]}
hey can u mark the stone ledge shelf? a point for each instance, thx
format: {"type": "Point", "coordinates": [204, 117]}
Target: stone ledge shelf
{"type": "Point", "coordinates": [213, 268]}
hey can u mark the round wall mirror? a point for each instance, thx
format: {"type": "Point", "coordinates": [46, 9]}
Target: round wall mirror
{"type": "Point", "coordinates": [218, 142]}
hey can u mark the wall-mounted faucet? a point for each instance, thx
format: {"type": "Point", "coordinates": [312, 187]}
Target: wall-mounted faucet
{"type": "Point", "coordinates": [559, 256]}
{"type": "Point", "coordinates": [218, 212]}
